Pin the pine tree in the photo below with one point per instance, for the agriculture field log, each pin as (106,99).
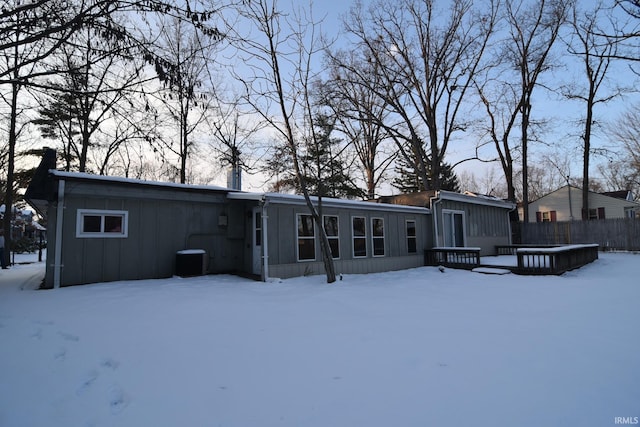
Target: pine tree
(409,181)
(324,171)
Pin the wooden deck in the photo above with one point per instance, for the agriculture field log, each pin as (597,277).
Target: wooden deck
(539,260)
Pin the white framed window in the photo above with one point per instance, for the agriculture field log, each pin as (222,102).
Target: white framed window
(331,228)
(306,238)
(102,223)
(359,236)
(412,237)
(377,236)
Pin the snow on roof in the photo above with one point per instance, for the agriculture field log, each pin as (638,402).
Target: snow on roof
(478,199)
(119,179)
(296,199)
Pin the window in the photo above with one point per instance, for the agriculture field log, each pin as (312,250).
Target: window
(377,225)
(412,244)
(306,238)
(359,234)
(257,228)
(596,213)
(100,223)
(331,228)
(546,216)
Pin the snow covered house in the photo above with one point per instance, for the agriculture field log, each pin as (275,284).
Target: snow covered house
(110,228)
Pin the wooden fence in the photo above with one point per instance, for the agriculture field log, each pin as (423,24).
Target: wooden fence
(609,234)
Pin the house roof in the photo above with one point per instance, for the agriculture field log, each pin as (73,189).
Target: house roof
(117,179)
(624,195)
(296,199)
(424,198)
(620,194)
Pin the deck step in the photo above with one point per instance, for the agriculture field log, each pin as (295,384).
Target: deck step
(491,270)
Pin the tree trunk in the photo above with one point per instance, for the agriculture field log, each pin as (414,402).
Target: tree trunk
(586,154)
(8,199)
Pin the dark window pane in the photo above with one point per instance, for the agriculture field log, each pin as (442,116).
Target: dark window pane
(306,249)
(411,228)
(411,244)
(335,248)
(378,227)
(305,226)
(331,225)
(359,227)
(378,246)
(91,224)
(359,247)
(112,224)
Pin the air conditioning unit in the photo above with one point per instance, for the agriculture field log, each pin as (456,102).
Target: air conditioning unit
(191,262)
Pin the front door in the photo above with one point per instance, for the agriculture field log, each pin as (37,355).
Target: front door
(453,228)
(257,241)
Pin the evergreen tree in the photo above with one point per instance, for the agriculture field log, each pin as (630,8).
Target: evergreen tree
(324,171)
(408,179)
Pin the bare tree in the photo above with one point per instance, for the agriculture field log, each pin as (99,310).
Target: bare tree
(426,60)
(93,86)
(15,66)
(507,90)
(359,113)
(232,133)
(279,89)
(185,99)
(626,130)
(595,52)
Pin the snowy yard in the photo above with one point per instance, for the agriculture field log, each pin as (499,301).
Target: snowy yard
(410,348)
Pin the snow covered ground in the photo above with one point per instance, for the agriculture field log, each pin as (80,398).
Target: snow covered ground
(411,348)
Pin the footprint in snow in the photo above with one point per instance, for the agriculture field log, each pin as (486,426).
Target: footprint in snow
(110,363)
(68,337)
(118,400)
(89,380)
(60,355)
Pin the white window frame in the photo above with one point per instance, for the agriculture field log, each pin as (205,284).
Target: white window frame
(354,237)
(312,238)
(102,213)
(337,236)
(453,212)
(414,237)
(374,238)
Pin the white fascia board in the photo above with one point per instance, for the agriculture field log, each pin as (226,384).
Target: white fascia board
(119,179)
(298,200)
(477,200)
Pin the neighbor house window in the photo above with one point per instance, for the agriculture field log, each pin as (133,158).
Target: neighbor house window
(333,235)
(596,213)
(412,244)
(546,216)
(102,223)
(306,238)
(377,227)
(359,234)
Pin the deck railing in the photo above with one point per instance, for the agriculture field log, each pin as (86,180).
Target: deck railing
(555,260)
(454,257)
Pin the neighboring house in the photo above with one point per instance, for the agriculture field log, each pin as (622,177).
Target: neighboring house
(109,228)
(565,204)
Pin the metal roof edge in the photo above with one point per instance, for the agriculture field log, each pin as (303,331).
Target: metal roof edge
(298,200)
(478,200)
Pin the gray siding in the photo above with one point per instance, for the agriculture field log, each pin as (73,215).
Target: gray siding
(282,242)
(160,223)
(485,226)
